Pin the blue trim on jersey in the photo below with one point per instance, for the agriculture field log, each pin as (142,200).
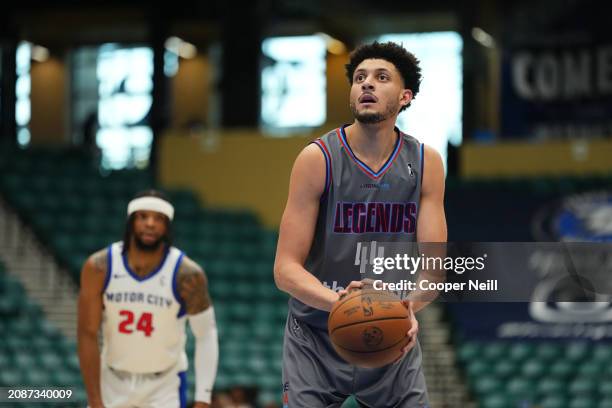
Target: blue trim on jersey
(183,310)
(422,161)
(183,389)
(109,267)
(364,166)
(150,275)
(327,167)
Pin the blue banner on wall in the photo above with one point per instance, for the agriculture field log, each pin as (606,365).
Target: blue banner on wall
(557,87)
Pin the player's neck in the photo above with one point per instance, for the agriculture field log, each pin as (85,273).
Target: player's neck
(372,143)
(144,262)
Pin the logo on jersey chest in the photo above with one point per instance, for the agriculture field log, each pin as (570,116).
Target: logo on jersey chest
(364,217)
(375,186)
(139,297)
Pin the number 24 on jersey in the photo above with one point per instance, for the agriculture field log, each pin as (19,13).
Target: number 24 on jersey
(144,324)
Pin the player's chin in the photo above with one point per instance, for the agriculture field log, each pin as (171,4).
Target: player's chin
(149,238)
(149,242)
(367,109)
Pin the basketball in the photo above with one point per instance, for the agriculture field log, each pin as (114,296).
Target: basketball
(368,327)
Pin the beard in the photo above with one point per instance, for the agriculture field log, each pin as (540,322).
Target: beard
(371,118)
(152,247)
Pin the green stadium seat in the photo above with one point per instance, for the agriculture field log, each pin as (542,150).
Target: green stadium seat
(602,352)
(25,328)
(582,402)
(577,351)
(80,396)
(221,290)
(249,233)
(469,350)
(31,310)
(6,361)
(551,387)
(264,330)
(16,344)
(45,224)
(65,378)
(265,291)
(242,290)
(26,201)
(605,387)
(48,329)
(11,376)
(494,351)
(521,351)
(255,363)
(223,380)
(36,377)
(67,185)
(11,286)
(520,388)
(505,369)
(10,305)
(478,368)
(243,379)
(533,369)
(583,386)
(71,361)
(51,203)
(590,368)
(235,331)
(12,183)
(261,270)
(561,369)
(42,344)
(25,360)
(50,360)
(553,401)
(498,400)
(487,385)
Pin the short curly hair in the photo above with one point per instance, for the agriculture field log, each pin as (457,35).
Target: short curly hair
(405,62)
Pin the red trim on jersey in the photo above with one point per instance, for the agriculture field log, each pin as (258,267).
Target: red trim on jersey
(363,167)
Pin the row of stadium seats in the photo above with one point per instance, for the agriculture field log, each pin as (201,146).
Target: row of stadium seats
(542,374)
(75,211)
(32,351)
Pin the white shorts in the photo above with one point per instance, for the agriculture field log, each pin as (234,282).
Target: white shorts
(121,389)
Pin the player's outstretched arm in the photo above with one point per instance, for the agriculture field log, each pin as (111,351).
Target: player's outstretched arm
(297,228)
(193,289)
(93,275)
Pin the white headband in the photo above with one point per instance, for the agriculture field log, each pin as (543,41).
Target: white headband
(151,204)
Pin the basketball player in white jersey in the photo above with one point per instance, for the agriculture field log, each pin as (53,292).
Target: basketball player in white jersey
(140,291)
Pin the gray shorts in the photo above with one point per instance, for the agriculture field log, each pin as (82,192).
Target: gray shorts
(314,376)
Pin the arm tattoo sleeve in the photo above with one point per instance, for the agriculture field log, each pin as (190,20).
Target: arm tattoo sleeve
(193,286)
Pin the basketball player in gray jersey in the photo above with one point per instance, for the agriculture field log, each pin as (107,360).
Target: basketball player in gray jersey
(360,184)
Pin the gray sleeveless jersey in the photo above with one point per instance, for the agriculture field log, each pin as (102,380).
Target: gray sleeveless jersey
(360,211)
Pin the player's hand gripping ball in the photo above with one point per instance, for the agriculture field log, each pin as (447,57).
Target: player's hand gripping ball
(369,328)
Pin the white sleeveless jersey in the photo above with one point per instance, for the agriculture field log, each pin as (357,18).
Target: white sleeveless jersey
(143,319)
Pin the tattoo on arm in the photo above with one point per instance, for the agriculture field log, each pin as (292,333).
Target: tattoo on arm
(100,260)
(193,286)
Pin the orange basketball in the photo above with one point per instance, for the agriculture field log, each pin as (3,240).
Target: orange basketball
(368,327)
